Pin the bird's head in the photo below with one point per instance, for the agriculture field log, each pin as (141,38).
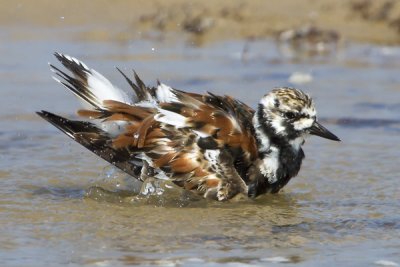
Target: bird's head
(289,114)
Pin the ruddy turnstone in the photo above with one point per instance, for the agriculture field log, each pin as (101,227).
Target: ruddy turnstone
(213,145)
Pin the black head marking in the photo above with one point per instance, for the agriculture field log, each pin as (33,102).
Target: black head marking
(276,103)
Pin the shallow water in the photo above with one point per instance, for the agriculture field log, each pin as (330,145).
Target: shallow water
(61,205)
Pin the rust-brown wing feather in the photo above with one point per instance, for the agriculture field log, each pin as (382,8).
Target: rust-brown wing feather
(203,143)
(223,124)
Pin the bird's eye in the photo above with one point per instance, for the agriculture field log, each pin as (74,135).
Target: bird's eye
(290,115)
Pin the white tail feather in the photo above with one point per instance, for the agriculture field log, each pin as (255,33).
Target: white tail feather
(98,87)
(103,89)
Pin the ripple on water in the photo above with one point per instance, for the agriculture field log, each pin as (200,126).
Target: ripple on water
(60,203)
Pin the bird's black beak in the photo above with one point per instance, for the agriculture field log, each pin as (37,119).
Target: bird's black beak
(318,129)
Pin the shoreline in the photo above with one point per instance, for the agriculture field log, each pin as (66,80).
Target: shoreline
(209,21)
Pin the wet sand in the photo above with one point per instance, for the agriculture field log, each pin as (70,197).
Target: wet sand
(205,21)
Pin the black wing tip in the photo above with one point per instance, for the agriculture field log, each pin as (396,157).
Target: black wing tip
(120,71)
(52,118)
(138,80)
(124,75)
(138,86)
(134,86)
(67,126)
(72,63)
(61,57)
(42,114)
(59,122)
(46,114)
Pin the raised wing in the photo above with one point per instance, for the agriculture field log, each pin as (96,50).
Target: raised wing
(201,142)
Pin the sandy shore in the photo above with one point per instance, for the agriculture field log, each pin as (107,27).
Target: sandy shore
(204,21)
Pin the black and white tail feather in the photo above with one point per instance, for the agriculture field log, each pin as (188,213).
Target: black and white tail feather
(93,89)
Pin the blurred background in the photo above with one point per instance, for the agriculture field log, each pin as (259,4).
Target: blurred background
(61,205)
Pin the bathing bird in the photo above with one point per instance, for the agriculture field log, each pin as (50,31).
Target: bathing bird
(213,145)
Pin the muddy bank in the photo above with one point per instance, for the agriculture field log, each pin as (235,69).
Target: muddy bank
(204,21)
